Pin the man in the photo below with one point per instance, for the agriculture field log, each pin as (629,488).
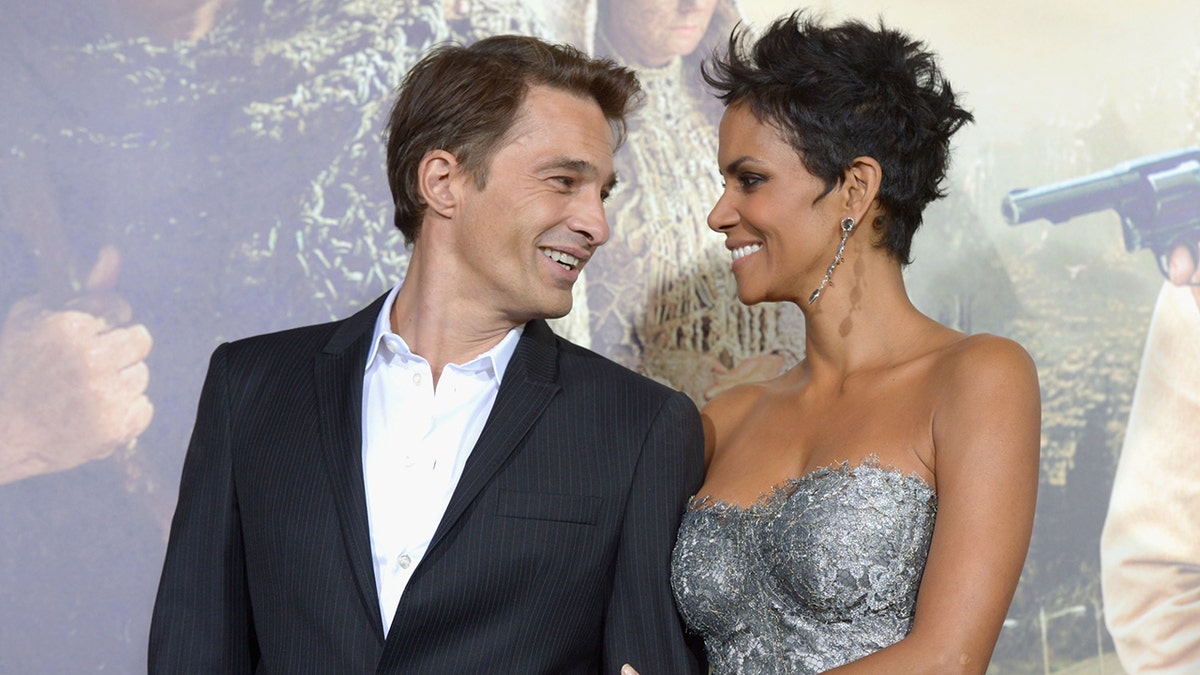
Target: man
(1150,546)
(438,484)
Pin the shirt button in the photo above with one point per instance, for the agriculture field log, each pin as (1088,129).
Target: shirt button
(407,461)
(404,561)
(417,379)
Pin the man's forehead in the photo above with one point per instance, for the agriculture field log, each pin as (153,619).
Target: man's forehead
(568,131)
(551,106)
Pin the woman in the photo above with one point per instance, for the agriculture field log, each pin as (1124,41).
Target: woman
(869,510)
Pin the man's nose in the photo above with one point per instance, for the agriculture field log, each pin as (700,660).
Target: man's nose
(591,222)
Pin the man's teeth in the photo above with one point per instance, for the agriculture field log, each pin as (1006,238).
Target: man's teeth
(565,259)
(743,251)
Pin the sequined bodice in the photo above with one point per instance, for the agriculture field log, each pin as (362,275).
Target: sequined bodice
(819,573)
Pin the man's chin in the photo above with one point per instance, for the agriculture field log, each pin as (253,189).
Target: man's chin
(551,310)
(558,313)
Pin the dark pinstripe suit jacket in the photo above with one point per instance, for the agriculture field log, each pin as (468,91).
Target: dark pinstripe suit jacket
(552,557)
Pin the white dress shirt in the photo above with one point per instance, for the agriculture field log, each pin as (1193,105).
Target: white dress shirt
(415,443)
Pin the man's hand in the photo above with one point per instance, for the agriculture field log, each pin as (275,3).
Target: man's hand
(72,379)
(1182,268)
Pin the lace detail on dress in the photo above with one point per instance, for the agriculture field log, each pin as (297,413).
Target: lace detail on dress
(820,571)
(784,490)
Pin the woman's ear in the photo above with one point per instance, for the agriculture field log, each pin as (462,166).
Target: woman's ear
(437,177)
(862,186)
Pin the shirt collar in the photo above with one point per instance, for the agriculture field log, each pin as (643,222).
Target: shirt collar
(497,358)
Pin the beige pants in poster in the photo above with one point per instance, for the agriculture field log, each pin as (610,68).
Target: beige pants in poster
(1150,549)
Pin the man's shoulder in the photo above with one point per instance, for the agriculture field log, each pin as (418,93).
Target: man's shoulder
(291,343)
(582,364)
(296,336)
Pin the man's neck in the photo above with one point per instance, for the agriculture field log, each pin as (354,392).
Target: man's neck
(431,318)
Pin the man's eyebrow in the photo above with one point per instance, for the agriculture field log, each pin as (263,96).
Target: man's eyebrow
(570,164)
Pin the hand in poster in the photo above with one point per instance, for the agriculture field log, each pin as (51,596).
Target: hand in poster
(1182,268)
(72,379)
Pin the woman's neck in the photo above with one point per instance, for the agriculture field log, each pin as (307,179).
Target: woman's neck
(865,319)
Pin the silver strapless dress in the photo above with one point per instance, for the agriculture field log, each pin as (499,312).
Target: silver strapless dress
(819,573)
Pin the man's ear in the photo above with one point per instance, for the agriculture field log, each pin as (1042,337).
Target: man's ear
(438,176)
(861,186)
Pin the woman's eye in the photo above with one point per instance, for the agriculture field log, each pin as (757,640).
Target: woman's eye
(749,180)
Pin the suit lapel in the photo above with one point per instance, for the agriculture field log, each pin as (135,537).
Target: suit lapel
(530,382)
(339,372)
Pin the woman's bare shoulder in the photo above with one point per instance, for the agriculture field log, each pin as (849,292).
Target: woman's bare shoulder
(985,379)
(984,358)
(730,407)
(730,410)
(734,402)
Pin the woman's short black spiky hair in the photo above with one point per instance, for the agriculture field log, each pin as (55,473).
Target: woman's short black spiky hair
(846,91)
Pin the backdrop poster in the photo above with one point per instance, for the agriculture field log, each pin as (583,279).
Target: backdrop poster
(175,175)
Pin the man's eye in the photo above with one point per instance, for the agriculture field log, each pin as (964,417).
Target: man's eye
(565,181)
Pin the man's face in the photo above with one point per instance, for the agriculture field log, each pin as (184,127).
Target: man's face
(521,241)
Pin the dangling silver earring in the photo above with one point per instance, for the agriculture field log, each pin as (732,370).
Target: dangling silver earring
(847,226)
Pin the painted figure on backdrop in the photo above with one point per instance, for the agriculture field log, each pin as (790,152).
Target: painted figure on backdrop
(439,484)
(138,141)
(81,413)
(870,509)
(661,299)
(1150,548)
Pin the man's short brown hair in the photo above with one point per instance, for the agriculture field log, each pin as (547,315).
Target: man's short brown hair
(464,100)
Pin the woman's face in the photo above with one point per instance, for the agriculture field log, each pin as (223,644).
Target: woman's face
(652,32)
(780,232)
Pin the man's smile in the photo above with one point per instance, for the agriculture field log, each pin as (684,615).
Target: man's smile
(567,260)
